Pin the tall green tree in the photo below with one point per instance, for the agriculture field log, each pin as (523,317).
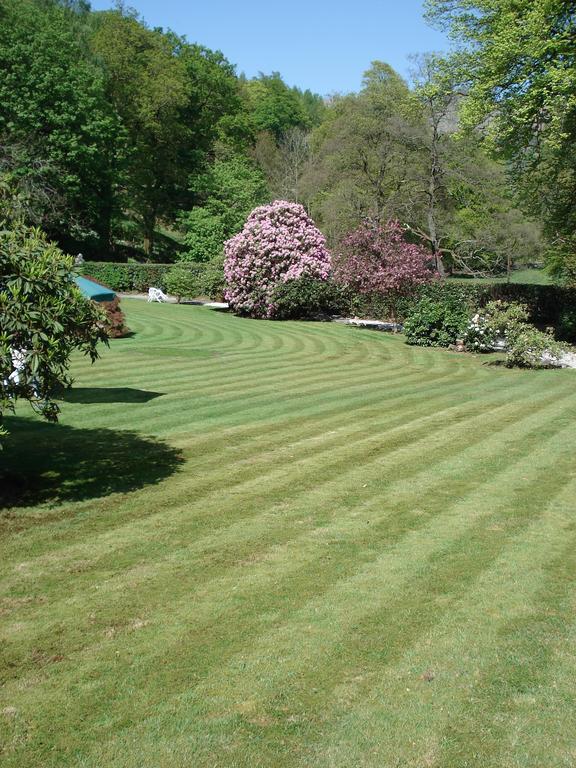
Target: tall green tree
(60,138)
(362,154)
(517,62)
(171,96)
(229,190)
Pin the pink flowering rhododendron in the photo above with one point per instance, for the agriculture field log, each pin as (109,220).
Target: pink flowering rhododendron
(279,242)
(377,259)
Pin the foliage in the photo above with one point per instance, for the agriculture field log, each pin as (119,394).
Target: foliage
(566,328)
(376,258)
(60,139)
(561,261)
(211,279)
(279,242)
(309,297)
(433,323)
(127,277)
(229,190)
(274,107)
(182,281)
(171,97)
(525,345)
(44,318)
(493,323)
(115,319)
(516,63)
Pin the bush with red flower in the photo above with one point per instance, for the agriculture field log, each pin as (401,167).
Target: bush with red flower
(278,243)
(377,259)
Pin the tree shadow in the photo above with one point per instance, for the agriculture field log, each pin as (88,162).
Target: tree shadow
(44,462)
(107,395)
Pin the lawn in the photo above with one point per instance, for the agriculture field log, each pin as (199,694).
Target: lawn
(255,544)
(524,276)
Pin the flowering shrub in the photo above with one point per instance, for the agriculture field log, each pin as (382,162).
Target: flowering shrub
(479,336)
(526,346)
(279,242)
(377,259)
(496,321)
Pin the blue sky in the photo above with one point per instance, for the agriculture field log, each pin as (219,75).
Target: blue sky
(316,44)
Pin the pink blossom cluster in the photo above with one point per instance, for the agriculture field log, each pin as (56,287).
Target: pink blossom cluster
(376,258)
(279,242)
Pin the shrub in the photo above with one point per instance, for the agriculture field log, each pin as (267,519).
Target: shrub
(211,279)
(116,322)
(279,242)
(308,298)
(436,323)
(495,321)
(526,346)
(44,317)
(182,281)
(377,259)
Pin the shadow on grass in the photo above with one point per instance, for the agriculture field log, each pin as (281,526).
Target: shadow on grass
(56,463)
(108,395)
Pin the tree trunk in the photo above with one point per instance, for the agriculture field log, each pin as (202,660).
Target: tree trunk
(431,213)
(149,226)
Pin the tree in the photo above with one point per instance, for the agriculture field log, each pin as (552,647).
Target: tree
(60,139)
(171,96)
(273,106)
(44,318)
(362,155)
(376,258)
(230,189)
(279,242)
(517,63)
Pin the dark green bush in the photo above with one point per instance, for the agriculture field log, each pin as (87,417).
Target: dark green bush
(433,323)
(308,298)
(566,328)
(211,279)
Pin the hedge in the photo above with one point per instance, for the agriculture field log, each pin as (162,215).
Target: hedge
(139,277)
(126,277)
(547,304)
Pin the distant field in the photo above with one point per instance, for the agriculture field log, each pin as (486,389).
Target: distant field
(252,544)
(526,276)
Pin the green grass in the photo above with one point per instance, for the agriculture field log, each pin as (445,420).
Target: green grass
(257,544)
(524,276)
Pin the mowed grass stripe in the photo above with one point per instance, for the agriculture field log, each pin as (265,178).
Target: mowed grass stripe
(545,455)
(255,469)
(182,623)
(324,618)
(121,559)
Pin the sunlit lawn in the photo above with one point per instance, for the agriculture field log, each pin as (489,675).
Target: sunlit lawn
(290,544)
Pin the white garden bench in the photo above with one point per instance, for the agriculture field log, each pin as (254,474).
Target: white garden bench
(155,294)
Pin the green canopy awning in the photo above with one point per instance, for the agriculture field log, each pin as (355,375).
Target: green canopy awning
(93,291)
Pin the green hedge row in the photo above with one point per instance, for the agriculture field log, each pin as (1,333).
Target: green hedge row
(208,276)
(547,304)
(127,277)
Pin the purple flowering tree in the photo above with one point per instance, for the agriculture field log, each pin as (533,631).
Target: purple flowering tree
(376,259)
(279,242)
